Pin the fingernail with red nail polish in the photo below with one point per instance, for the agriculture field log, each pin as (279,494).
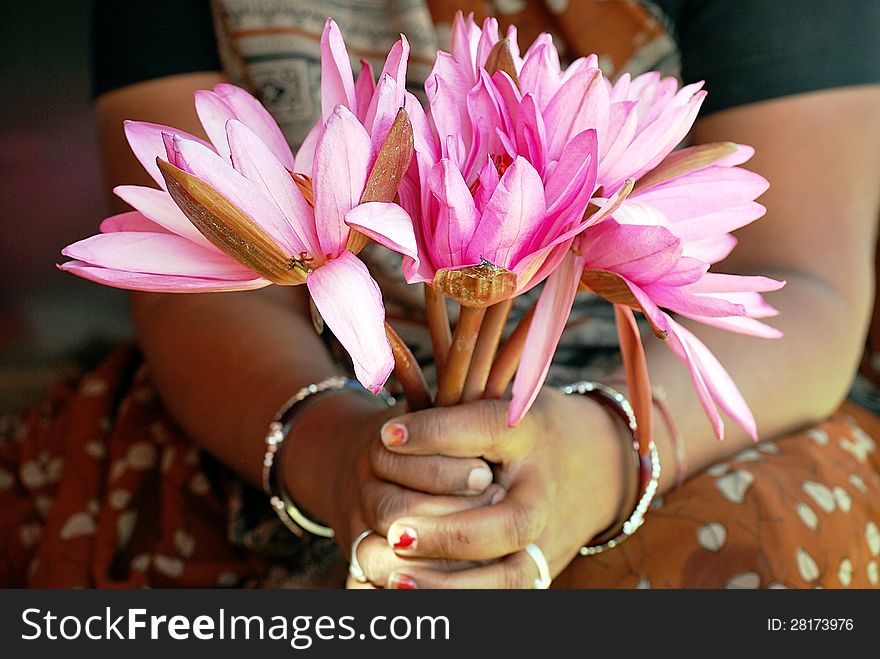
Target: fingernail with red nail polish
(394,434)
(401,582)
(402,537)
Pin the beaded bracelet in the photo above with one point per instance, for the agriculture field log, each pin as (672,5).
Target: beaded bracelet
(279,499)
(648,460)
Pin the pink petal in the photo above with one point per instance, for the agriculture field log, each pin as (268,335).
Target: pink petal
(531,137)
(704,191)
(657,316)
(639,253)
(456,217)
(508,94)
(622,123)
(620,89)
(249,111)
(653,143)
(156,253)
(172,152)
(488,180)
(714,282)
(396,61)
(305,156)
(487,117)
(738,324)
(677,299)
(718,381)
(488,39)
(712,249)
(214,112)
(339,173)
(350,303)
(686,271)
(743,153)
(572,182)
(580,104)
(337,80)
(364,88)
(535,267)
(387,100)
(387,224)
(540,72)
(145,140)
(655,97)
(257,163)
(130,221)
(158,206)
(140,281)
(754,303)
(444,95)
(424,139)
(635,213)
(548,323)
(685,353)
(608,207)
(384,104)
(465,37)
(591,61)
(713,223)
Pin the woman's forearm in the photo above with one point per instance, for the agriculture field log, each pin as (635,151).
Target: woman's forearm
(225,362)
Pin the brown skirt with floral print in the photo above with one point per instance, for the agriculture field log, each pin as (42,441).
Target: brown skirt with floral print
(99,488)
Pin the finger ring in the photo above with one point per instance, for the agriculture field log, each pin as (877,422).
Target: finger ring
(354,566)
(535,553)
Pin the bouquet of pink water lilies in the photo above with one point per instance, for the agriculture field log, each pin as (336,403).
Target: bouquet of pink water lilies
(518,172)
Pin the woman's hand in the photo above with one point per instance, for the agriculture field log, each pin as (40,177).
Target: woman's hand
(358,484)
(562,472)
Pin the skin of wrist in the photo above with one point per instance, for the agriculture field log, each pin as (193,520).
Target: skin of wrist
(613,455)
(604,469)
(322,450)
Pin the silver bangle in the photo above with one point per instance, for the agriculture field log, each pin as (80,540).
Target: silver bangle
(279,499)
(648,462)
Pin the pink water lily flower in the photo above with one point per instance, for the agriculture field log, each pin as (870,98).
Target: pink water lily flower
(374,105)
(230,216)
(505,168)
(494,180)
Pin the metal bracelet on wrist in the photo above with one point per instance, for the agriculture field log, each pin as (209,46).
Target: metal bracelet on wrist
(648,462)
(279,499)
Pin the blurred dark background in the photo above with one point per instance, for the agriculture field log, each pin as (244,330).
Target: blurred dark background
(51,194)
